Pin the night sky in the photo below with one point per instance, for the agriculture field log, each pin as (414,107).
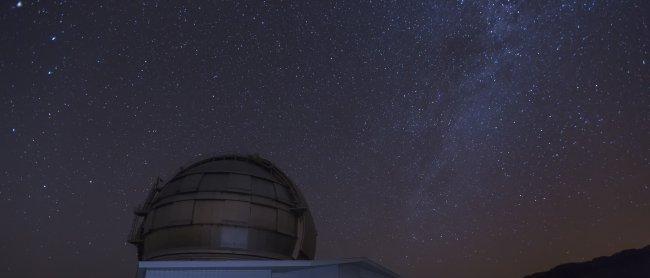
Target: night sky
(458,139)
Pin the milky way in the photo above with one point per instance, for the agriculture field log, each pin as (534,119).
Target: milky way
(458,139)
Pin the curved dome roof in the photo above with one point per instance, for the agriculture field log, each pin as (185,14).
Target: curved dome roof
(225,207)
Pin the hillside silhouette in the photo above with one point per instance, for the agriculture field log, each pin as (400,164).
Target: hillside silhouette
(631,263)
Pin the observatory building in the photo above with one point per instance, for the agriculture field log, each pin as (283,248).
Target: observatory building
(233,216)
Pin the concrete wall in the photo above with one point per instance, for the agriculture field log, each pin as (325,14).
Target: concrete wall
(263,269)
(171,273)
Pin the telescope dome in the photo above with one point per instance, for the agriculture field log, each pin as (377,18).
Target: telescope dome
(225,207)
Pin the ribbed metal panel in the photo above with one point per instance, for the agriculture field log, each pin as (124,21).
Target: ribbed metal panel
(226,207)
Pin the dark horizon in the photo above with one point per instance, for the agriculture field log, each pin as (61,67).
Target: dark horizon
(457,139)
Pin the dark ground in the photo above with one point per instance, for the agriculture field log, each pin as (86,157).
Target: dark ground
(631,263)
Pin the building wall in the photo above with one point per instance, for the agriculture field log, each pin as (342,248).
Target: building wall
(263,269)
(173,273)
(315,272)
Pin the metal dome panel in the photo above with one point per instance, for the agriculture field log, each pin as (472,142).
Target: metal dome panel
(226,207)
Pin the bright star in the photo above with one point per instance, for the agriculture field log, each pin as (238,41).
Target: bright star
(53,38)
(19,4)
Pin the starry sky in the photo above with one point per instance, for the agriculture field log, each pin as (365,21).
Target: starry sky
(448,138)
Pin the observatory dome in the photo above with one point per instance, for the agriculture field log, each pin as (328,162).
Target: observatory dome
(225,207)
